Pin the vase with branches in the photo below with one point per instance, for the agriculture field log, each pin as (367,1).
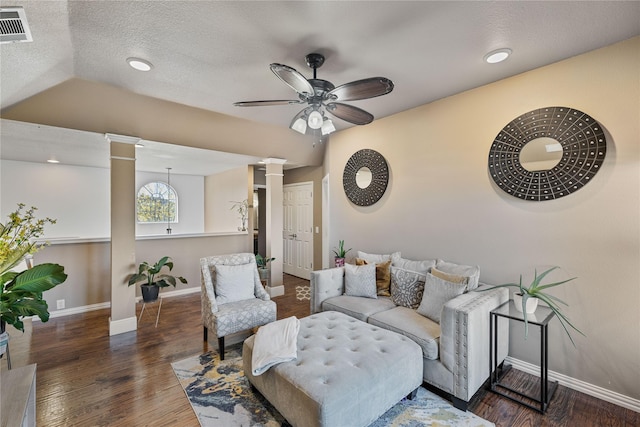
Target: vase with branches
(243,210)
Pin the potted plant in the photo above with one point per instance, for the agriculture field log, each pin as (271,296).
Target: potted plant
(22,291)
(263,267)
(152,279)
(243,210)
(340,254)
(526,300)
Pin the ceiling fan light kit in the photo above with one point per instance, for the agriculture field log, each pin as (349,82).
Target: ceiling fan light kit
(321,96)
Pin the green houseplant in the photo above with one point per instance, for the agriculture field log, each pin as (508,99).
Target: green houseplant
(537,290)
(263,264)
(340,254)
(151,278)
(22,291)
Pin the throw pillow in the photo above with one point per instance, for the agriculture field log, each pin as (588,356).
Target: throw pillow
(407,287)
(436,293)
(360,280)
(234,283)
(383,276)
(454,278)
(419,266)
(472,272)
(377,258)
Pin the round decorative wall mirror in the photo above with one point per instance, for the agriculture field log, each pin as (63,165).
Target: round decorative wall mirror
(547,153)
(365,177)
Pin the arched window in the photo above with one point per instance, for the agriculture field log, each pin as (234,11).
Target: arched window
(157,202)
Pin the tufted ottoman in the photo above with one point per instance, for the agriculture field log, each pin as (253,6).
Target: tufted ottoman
(347,373)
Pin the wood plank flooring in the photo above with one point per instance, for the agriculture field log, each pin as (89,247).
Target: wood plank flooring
(86,378)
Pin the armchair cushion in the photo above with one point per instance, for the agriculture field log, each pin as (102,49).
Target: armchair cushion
(241,315)
(234,283)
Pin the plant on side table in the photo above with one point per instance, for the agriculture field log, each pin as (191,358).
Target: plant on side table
(22,291)
(340,254)
(152,279)
(526,300)
(263,267)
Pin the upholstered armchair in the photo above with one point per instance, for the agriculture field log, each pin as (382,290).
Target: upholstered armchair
(233,299)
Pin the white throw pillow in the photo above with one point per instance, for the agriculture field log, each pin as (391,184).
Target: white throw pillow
(234,283)
(422,267)
(470,271)
(436,293)
(360,280)
(378,258)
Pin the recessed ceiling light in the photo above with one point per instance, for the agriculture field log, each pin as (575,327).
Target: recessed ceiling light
(498,55)
(140,64)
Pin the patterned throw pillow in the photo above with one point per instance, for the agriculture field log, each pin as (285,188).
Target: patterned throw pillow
(436,293)
(360,280)
(407,287)
(383,276)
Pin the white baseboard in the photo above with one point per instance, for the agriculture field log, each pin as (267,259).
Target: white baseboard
(275,291)
(123,325)
(578,385)
(76,310)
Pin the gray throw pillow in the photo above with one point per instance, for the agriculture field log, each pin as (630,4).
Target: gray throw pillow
(406,287)
(436,293)
(422,267)
(360,280)
(470,271)
(234,283)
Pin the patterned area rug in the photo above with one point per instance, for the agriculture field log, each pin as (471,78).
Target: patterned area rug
(221,395)
(303,293)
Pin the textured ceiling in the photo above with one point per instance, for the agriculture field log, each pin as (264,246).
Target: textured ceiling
(209,54)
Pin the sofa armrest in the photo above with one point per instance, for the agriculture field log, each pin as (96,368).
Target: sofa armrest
(464,339)
(325,284)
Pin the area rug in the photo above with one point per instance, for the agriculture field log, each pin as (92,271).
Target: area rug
(221,395)
(303,293)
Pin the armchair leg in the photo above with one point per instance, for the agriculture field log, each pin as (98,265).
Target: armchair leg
(221,347)
(206,333)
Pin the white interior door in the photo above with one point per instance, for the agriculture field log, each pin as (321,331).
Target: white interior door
(298,229)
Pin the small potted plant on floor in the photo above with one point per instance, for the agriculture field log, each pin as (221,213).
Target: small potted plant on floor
(340,254)
(263,267)
(526,299)
(21,292)
(152,279)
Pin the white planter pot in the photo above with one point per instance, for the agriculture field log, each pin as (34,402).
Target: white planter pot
(532,303)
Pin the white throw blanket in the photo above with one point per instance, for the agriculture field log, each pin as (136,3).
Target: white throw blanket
(275,343)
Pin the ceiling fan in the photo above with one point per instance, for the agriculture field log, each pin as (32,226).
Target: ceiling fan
(322,97)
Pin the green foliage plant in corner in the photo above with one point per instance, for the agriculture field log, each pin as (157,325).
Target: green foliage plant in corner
(152,276)
(22,291)
(262,261)
(537,290)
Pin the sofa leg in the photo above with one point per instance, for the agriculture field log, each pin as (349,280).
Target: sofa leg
(413,394)
(205,335)
(221,347)
(459,403)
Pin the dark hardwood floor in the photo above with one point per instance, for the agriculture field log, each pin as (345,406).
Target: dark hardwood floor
(86,378)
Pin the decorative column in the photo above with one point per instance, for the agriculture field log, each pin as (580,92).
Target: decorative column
(274,227)
(123,233)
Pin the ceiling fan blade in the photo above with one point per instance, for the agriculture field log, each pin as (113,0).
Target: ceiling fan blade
(267,103)
(292,78)
(350,113)
(362,89)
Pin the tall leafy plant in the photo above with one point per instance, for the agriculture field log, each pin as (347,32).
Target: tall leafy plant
(22,292)
(152,275)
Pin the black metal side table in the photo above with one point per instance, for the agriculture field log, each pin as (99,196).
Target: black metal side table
(540,318)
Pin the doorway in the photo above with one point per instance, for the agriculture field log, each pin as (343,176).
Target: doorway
(297,233)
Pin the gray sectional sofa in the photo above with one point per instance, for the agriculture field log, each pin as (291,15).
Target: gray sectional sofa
(451,329)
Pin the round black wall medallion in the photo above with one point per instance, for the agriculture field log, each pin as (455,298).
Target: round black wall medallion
(362,162)
(583,143)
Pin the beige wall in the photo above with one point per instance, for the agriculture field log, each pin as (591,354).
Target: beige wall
(220,191)
(441,202)
(314,175)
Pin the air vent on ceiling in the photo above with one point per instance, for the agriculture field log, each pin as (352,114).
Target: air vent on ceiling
(14,27)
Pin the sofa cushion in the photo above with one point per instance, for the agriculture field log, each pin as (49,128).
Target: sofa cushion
(472,272)
(406,287)
(378,258)
(422,267)
(360,280)
(383,276)
(436,293)
(357,307)
(454,278)
(409,323)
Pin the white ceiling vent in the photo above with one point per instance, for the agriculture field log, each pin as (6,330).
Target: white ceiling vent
(13,25)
